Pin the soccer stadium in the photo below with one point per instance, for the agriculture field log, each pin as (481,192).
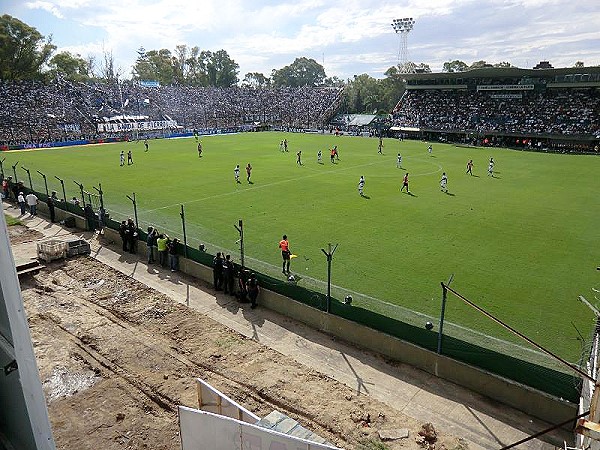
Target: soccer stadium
(454,234)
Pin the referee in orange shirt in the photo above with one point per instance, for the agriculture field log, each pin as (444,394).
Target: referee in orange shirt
(284,245)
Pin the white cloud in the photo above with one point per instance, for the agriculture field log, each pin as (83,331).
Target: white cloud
(355,36)
(45,6)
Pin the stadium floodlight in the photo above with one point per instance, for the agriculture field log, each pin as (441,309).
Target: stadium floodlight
(402,27)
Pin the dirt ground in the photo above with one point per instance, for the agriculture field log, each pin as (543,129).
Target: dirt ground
(116,358)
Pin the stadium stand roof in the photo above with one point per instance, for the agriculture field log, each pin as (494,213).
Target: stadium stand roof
(359,120)
(504,72)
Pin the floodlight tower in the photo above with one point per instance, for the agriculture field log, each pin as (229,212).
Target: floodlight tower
(402,27)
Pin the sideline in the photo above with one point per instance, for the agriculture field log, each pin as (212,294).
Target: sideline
(481,422)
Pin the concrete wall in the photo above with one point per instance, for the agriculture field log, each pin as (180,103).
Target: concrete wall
(61,215)
(521,397)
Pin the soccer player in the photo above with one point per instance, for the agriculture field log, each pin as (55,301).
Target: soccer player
(361,185)
(405,183)
(320,157)
(380,151)
(299,157)
(335,152)
(470,167)
(491,168)
(333,156)
(429,149)
(281,146)
(146,144)
(285,145)
(399,161)
(284,245)
(200,149)
(444,183)
(129,158)
(248,172)
(236,173)
(122,157)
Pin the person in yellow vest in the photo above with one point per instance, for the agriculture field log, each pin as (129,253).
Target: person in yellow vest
(163,249)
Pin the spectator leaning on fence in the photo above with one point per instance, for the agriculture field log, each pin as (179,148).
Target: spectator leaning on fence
(253,289)
(217,271)
(173,256)
(162,245)
(123,234)
(132,235)
(150,242)
(52,199)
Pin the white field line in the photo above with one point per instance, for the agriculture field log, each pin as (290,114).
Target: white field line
(320,282)
(409,311)
(276,183)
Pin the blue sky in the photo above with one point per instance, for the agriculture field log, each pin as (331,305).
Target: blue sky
(348,37)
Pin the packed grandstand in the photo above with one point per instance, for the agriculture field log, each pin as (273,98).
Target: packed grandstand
(549,108)
(37,113)
(505,106)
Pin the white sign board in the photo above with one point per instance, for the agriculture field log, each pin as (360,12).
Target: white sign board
(201,430)
(212,400)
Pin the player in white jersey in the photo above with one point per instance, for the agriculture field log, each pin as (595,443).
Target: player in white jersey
(320,157)
(444,183)
(429,149)
(236,173)
(361,185)
(399,161)
(122,156)
(491,168)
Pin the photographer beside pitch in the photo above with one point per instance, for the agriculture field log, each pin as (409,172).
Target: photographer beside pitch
(284,245)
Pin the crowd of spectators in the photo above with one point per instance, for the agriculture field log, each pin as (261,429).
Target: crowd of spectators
(553,111)
(34,112)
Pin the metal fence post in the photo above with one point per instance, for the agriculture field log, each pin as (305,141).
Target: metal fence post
(329,256)
(182,214)
(45,182)
(442,313)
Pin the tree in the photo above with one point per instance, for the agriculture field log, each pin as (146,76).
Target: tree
(23,50)
(71,67)
(196,73)
(579,64)
(221,69)
(302,72)
(334,81)
(90,61)
(392,86)
(156,65)
(180,64)
(412,67)
(363,94)
(504,64)
(108,70)
(455,66)
(190,67)
(479,65)
(422,68)
(255,80)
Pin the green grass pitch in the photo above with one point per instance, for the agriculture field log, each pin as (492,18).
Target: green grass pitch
(522,245)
